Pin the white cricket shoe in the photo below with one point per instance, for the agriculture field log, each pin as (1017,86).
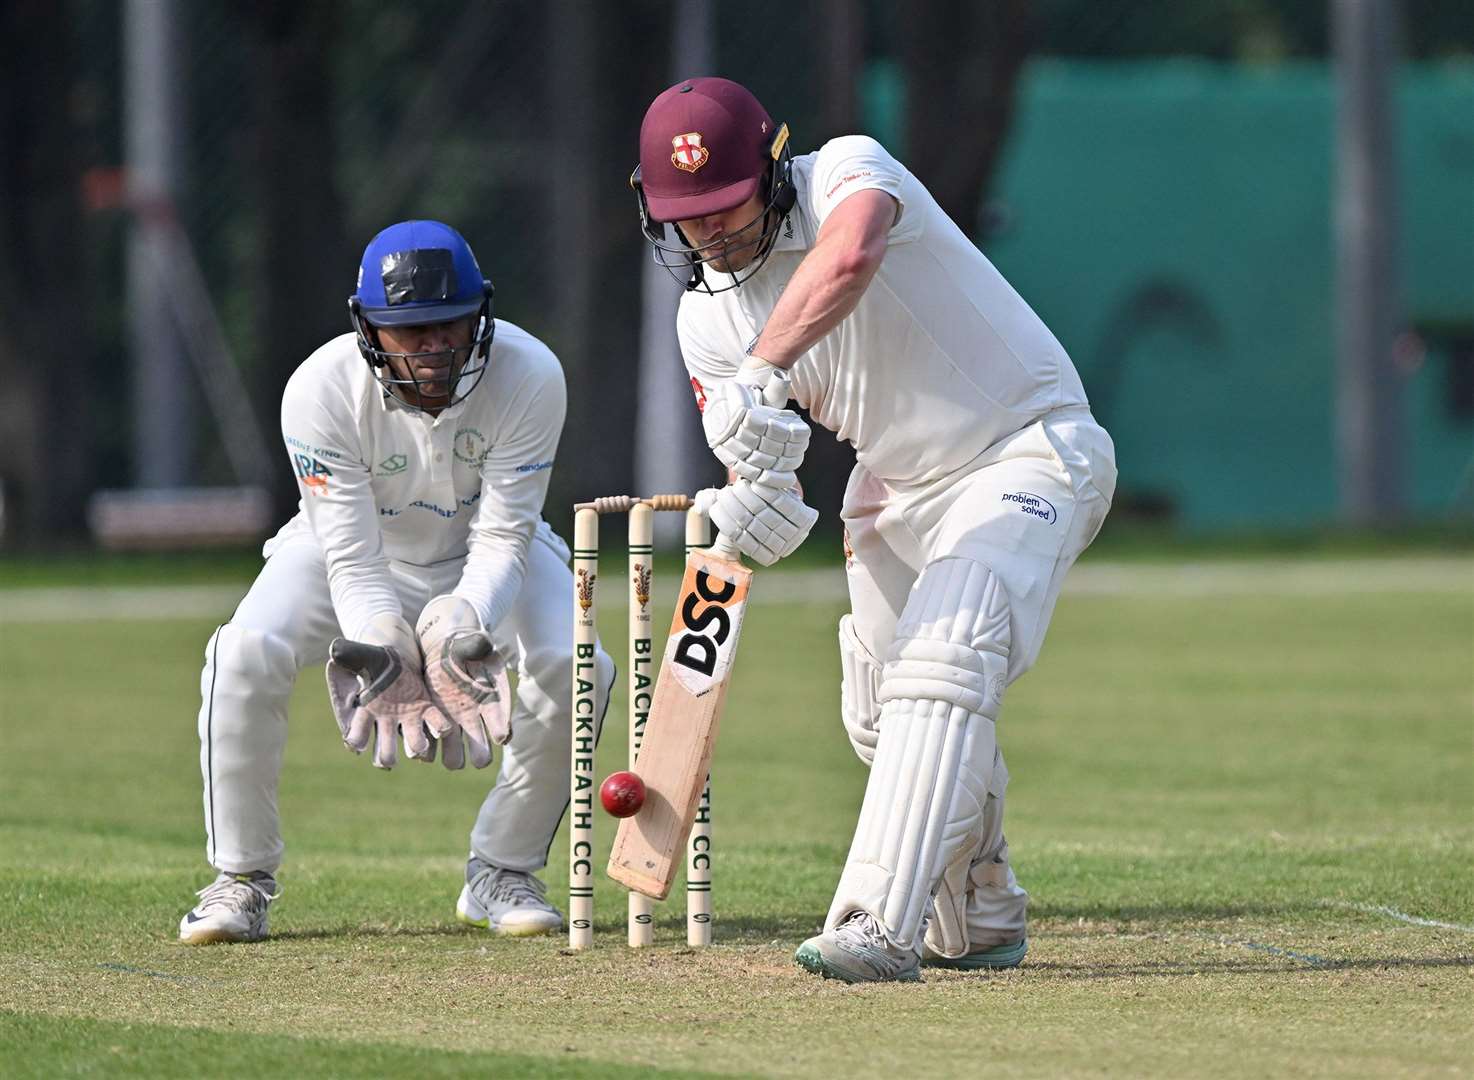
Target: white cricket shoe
(510,902)
(857,951)
(231,908)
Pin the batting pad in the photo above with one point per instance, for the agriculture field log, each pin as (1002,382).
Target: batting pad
(940,690)
(859,691)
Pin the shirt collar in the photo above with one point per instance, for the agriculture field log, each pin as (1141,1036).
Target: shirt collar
(790,237)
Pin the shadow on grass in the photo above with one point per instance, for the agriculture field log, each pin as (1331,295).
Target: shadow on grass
(1169,914)
(323,933)
(1173,970)
(763,931)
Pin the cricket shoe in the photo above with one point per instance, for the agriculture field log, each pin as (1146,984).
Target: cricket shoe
(992,958)
(857,951)
(510,902)
(231,908)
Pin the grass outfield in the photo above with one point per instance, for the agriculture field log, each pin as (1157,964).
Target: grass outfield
(1245,813)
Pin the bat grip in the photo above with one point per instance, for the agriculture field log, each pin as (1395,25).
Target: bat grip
(723,548)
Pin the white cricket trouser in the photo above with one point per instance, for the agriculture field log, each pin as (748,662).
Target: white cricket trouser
(285,624)
(1025,509)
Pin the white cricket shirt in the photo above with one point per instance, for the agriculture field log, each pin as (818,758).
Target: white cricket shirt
(940,360)
(381,481)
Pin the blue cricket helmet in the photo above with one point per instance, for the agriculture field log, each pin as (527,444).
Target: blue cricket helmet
(416,273)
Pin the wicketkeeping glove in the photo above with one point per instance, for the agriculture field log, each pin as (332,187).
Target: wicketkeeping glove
(750,429)
(466,679)
(377,693)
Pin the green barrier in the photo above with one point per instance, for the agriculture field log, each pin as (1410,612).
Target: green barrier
(1172,223)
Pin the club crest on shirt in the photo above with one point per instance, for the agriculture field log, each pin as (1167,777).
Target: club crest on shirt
(392,465)
(470,446)
(700,392)
(689,154)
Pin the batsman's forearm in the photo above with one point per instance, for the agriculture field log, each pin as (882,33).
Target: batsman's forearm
(817,300)
(829,282)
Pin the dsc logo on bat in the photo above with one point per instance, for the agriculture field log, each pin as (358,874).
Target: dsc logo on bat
(710,615)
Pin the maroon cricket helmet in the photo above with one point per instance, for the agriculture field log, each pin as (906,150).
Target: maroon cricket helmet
(704,147)
(707,146)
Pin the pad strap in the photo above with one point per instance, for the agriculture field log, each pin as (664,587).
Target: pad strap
(859,691)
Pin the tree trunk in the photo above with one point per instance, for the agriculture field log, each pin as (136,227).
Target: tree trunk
(962,63)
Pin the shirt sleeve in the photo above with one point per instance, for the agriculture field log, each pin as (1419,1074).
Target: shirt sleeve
(325,444)
(854,163)
(705,366)
(514,483)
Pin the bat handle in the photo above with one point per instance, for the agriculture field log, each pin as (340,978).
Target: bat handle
(723,548)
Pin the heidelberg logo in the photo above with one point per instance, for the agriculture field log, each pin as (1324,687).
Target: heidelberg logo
(689,154)
(1033,505)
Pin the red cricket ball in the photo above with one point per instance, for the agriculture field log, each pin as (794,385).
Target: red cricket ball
(622,793)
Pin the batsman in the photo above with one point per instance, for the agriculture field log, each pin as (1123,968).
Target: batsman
(835,280)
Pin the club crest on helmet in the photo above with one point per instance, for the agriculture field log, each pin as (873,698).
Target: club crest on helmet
(729,151)
(689,154)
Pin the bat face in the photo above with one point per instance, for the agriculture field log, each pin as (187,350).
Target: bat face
(704,634)
(675,754)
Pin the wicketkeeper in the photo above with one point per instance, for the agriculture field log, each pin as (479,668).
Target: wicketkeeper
(835,279)
(418,567)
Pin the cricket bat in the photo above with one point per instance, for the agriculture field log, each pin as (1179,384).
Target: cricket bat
(675,756)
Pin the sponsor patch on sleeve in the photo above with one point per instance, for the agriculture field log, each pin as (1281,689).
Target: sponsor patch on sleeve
(313,473)
(847,178)
(700,392)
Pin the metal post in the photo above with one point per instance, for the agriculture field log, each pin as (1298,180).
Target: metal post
(163,442)
(670,451)
(1369,428)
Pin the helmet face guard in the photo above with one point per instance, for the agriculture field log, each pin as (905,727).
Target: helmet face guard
(421,273)
(687,263)
(467,365)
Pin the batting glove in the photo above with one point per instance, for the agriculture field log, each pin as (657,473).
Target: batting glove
(750,429)
(764,523)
